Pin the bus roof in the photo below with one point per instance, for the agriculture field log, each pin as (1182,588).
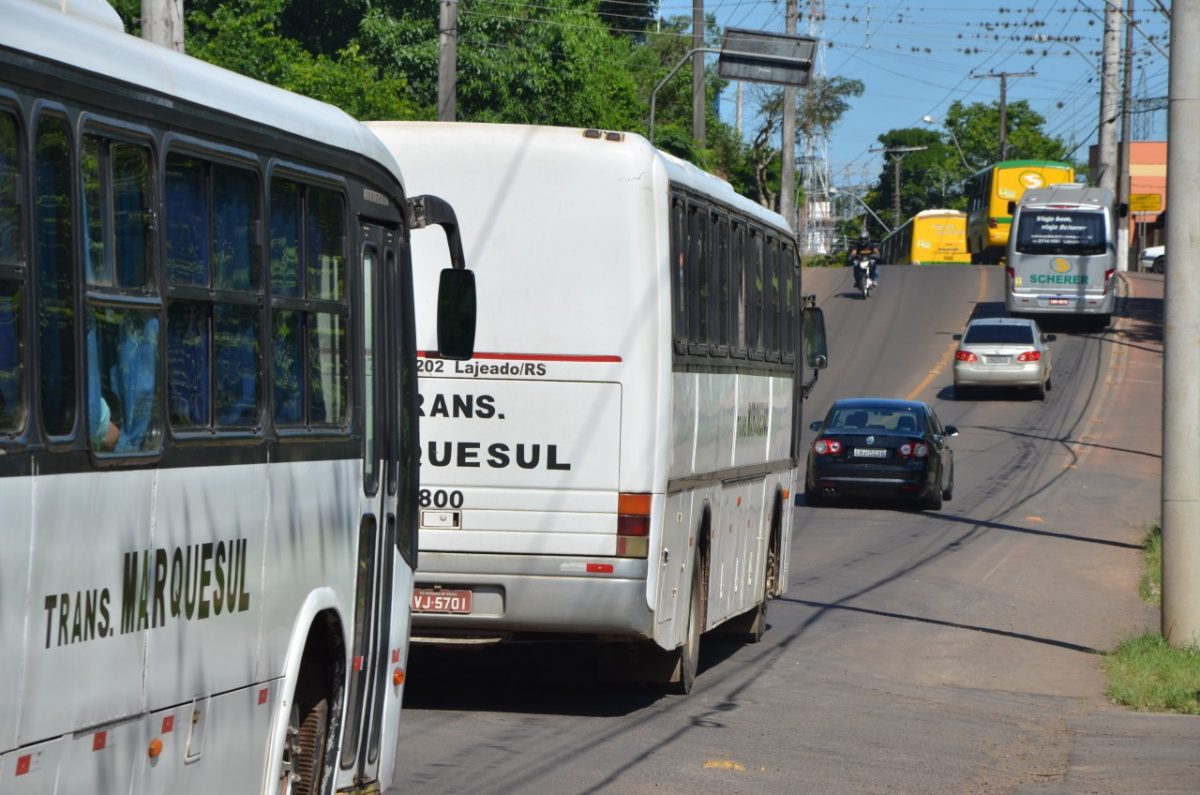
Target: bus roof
(472,136)
(87,34)
(1023,164)
(940,213)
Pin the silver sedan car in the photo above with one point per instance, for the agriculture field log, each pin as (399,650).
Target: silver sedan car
(1003,352)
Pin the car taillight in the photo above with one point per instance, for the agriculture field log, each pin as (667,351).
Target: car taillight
(633,525)
(1030,356)
(913,450)
(827,447)
(966,356)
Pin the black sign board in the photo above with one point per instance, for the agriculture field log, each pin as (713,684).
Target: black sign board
(781,58)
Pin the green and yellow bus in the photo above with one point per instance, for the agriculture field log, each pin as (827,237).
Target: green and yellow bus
(989,192)
(928,238)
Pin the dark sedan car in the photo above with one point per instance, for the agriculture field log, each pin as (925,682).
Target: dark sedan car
(879,447)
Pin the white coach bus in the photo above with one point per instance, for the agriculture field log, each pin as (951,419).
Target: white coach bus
(618,459)
(209,522)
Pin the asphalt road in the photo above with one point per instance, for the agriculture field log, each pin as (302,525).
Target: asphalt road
(915,652)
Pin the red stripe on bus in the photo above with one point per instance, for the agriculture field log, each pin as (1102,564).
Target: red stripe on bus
(529,357)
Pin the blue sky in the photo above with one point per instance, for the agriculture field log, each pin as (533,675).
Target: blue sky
(916,58)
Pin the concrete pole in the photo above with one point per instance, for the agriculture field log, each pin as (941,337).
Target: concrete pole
(162,23)
(1123,145)
(787,167)
(1003,116)
(1181,340)
(447,101)
(698,92)
(1106,176)
(896,219)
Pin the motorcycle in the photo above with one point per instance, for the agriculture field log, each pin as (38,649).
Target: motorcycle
(862,275)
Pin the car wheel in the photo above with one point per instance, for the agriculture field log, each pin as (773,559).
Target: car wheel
(1039,392)
(1049,384)
(934,501)
(1160,265)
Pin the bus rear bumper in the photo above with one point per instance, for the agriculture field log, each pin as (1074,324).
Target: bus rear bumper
(1051,303)
(542,594)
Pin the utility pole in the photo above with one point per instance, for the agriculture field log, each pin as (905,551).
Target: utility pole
(1107,176)
(737,113)
(447,61)
(1181,354)
(787,167)
(897,153)
(1003,76)
(1123,150)
(162,23)
(698,92)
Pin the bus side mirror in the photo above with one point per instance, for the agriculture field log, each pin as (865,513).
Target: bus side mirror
(1123,210)
(816,353)
(1012,207)
(456,314)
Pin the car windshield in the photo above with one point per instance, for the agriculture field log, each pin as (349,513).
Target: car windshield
(874,418)
(989,333)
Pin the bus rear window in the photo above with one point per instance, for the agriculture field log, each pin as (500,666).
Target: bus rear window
(1061,232)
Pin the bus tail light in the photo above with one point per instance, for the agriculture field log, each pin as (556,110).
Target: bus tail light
(1012,274)
(633,525)
(992,223)
(1108,274)
(1030,356)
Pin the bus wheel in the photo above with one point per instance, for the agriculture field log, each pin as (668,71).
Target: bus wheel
(304,751)
(688,655)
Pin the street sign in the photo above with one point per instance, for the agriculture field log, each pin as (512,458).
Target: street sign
(752,55)
(1145,202)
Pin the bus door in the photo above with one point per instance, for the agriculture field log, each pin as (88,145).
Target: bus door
(379,621)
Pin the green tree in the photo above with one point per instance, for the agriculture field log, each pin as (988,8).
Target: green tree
(934,177)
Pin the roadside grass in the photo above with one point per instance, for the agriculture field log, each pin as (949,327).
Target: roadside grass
(1145,672)
(1151,585)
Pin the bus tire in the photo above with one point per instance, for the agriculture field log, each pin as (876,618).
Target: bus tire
(687,656)
(304,751)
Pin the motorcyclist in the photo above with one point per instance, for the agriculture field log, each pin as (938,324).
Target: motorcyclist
(865,247)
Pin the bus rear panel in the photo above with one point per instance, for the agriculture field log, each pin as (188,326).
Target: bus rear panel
(1062,253)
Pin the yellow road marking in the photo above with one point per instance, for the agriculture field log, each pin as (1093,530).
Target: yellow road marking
(948,354)
(724,764)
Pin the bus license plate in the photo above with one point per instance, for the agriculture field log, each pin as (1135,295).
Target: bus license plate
(430,600)
(869,452)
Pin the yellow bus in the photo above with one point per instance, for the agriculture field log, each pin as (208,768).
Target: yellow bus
(989,192)
(929,237)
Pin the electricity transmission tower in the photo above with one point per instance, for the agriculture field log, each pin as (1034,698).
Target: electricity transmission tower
(816,217)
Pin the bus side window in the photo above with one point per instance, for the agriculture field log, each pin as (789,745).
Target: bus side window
(754,293)
(311,372)
(122,341)
(55,269)
(679,246)
(214,357)
(771,300)
(12,265)
(737,281)
(698,281)
(719,305)
(789,325)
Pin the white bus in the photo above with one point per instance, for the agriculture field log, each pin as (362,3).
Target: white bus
(1062,256)
(205,299)
(619,458)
